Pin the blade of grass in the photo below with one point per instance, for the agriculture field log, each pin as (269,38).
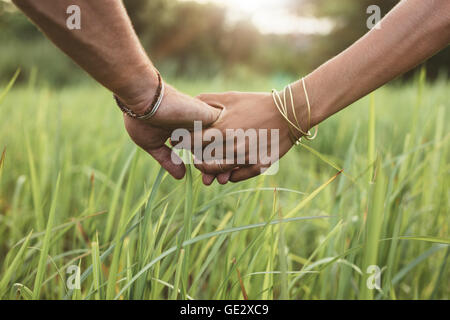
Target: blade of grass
(371,135)
(96,267)
(2,161)
(46,244)
(404,271)
(9,85)
(35,188)
(282,255)
(24,291)
(168,285)
(311,196)
(6,276)
(114,268)
(116,196)
(441,274)
(187,225)
(373,229)
(145,246)
(178,275)
(241,282)
(322,244)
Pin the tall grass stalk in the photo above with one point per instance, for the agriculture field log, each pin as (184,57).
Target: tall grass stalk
(373,224)
(43,256)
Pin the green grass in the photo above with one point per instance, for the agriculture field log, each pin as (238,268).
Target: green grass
(372,189)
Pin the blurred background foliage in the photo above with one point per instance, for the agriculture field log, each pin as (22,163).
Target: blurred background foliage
(196,40)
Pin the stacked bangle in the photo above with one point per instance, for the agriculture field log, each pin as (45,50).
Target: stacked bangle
(282,106)
(151,110)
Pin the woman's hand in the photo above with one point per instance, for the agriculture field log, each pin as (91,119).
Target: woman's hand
(253,113)
(177,110)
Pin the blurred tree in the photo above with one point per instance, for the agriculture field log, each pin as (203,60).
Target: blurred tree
(14,25)
(180,35)
(350,19)
(193,38)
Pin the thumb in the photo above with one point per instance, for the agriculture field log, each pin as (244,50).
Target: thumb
(210,112)
(217,101)
(179,110)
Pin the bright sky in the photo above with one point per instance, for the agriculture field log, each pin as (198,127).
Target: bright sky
(272,16)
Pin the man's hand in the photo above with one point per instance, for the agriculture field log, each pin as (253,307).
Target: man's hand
(176,111)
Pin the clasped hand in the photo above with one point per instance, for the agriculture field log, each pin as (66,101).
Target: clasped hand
(241,135)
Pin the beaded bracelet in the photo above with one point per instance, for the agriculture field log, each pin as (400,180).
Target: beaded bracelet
(151,110)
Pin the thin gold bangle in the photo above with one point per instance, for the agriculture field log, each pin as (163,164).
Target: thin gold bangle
(309,136)
(282,107)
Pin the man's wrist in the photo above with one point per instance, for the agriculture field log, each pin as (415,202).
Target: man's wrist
(139,90)
(150,110)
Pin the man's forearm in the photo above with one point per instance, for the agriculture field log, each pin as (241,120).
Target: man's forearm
(106,46)
(409,34)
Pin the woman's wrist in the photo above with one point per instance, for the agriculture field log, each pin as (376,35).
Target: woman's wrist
(302,114)
(325,98)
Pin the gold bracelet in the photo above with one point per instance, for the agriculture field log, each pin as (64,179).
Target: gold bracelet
(309,136)
(281,105)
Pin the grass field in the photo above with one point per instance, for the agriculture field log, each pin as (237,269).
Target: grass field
(75,193)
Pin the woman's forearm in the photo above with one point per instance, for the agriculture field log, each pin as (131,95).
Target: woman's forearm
(106,46)
(412,32)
